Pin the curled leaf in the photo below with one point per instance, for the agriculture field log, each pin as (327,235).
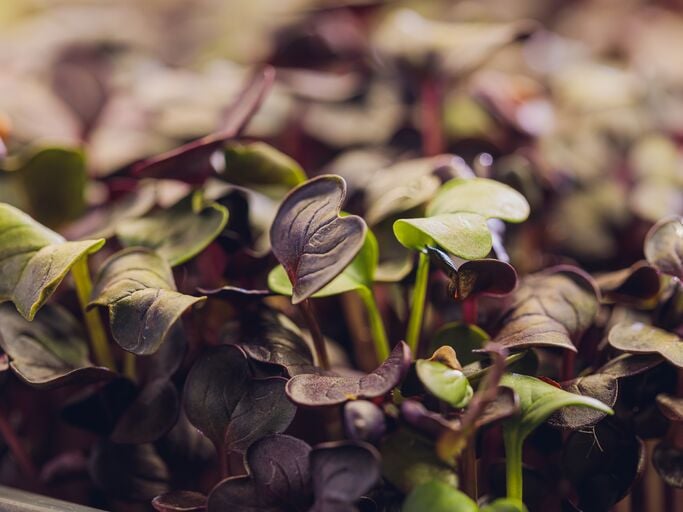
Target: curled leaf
(178,233)
(637,283)
(137,287)
(550,309)
(34,260)
(180,501)
(50,351)
(639,338)
(664,246)
(309,238)
(313,390)
(671,407)
(601,386)
(442,375)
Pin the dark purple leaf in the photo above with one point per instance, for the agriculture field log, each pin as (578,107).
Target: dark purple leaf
(671,407)
(309,238)
(228,405)
(668,461)
(192,162)
(602,386)
(342,472)
(320,390)
(129,472)
(550,309)
(634,284)
(628,365)
(153,413)
(471,278)
(363,421)
(180,501)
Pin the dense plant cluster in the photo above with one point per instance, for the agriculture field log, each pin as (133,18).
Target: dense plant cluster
(395,273)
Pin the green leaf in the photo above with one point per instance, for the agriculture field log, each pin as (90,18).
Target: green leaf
(538,400)
(358,275)
(639,338)
(311,240)
(436,496)
(178,233)
(664,246)
(261,167)
(464,234)
(456,217)
(137,286)
(49,351)
(442,375)
(53,181)
(34,260)
(488,198)
(504,505)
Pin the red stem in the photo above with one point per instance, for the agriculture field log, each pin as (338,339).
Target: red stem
(17,449)
(430,116)
(470,310)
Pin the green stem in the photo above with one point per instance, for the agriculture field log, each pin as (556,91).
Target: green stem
(129,369)
(513,463)
(379,334)
(418,303)
(98,336)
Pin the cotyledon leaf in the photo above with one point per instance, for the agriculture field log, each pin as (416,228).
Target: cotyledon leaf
(309,238)
(34,260)
(639,338)
(137,286)
(178,233)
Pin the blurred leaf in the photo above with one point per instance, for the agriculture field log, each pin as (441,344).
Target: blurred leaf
(180,501)
(437,496)
(639,338)
(664,246)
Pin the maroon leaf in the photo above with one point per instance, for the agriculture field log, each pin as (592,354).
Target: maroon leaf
(637,283)
(180,501)
(313,390)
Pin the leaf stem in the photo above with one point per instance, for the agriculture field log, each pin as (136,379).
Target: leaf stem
(468,469)
(17,449)
(513,463)
(418,304)
(379,334)
(129,367)
(470,310)
(318,340)
(98,336)
(430,116)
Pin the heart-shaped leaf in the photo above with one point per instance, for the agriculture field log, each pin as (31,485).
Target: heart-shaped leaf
(310,240)
(664,246)
(550,309)
(437,496)
(129,471)
(314,390)
(261,167)
(363,421)
(278,479)
(639,338)
(341,473)
(192,161)
(601,386)
(34,260)
(357,276)
(634,284)
(50,351)
(137,286)
(228,405)
(180,501)
(456,217)
(178,233)
(442,376)
(476,277)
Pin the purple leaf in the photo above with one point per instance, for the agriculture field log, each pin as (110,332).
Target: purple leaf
(320,390)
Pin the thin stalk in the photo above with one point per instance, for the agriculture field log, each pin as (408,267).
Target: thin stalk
(97,334)
(418,303)
(470,310)
(513,464)
(129,369)
(379,334)
(430,116)
(468,469)
(318,340)
(17,449)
